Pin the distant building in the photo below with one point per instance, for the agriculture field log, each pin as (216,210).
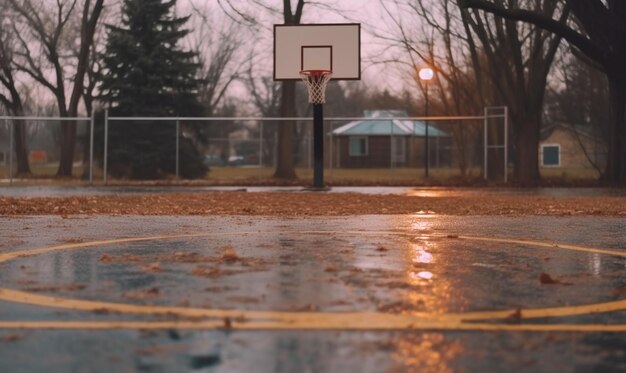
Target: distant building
(381,143)
(571,147)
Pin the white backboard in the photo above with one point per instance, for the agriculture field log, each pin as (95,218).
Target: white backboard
(334,46)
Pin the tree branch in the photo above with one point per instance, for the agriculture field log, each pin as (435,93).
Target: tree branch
(575,38)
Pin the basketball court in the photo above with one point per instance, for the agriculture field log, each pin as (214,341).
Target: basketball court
(272,294)
(410,292)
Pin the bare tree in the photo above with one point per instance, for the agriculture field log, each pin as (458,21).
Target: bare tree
(285,167)
(432,33)
(265,96)
(9,95)
(219,44)
(599,34)
(519,58)
(51,33)
(264,91)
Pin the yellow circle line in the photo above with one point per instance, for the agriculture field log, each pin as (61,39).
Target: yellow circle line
(591,250)
(305,320)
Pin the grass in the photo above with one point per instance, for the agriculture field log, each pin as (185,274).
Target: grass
(355,176)
(342,176)
(572,174)
(41,170)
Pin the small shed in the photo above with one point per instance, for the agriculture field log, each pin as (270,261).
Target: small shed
(570,147)
(382,141)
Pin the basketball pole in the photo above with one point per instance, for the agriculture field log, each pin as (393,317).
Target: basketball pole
(318,146)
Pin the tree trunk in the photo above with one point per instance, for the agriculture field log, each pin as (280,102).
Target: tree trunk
(527,149)
(68,143)
(89,22)
(616,165)
(285,165)
(21,150)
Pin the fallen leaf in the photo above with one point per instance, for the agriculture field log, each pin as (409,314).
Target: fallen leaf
(153,267)
(105,258)
(11,338)
(515,317)
(227,323)
(143,293)
(546,279)
(229,254)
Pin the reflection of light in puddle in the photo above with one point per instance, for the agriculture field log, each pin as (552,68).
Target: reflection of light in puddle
(436,291)
(426,214)
(595,262)
(430,193)
(430,352)
(423,275)
(421,225)
(421,255)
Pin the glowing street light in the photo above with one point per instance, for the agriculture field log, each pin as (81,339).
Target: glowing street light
(426,74)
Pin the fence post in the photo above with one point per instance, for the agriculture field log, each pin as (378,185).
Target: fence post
(177,146)
(390,151)
(485,145)
(260,149)
(10,150)
(437,146)
(506,143)
(106,143)
(91,127)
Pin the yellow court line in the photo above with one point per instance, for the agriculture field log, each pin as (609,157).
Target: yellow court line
(301,319)
(314,320)
(591,250)
(5,257)
(618,305)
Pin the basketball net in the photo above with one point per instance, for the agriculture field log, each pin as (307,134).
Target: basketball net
(315,81)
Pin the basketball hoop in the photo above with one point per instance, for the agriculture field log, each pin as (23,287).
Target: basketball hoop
(315,81)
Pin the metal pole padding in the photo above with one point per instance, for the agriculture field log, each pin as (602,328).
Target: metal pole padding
(506,143)
(486,144)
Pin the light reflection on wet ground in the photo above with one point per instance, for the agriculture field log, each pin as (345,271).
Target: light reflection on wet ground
(279,268)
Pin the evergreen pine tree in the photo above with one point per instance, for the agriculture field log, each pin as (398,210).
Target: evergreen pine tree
(148,74)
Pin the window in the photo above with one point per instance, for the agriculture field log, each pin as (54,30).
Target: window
(551,155)
(358,146)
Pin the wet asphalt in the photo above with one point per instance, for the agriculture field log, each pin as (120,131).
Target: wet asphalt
(388,264)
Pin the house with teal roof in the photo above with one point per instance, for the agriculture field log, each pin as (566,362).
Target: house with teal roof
(382,140)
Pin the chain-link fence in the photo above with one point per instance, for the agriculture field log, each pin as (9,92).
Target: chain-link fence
(364,150)
(374,149)
(31,147)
